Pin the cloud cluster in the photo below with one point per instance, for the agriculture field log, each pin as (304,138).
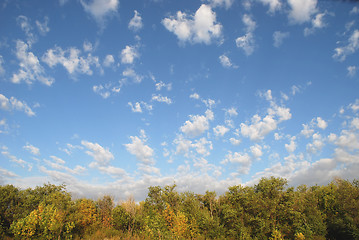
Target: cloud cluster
(197,125)
(201,27)
(15,104)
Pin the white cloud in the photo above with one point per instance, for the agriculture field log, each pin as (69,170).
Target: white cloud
(355,10)
(348,140)
(220,130)
(160,98)
(183,145)
(71,60)
(129,54)
(99,9)
(161,85)
(235,142)
(136,22)
(256,151)
(2,70)
(102,156)
(317,22)
(202,146)
(321,123)
(238,158)
(316,145)
(278,38)
(353,45)
(129,72)
(16,160)
(197,125)
(307,131)
(219,3)
(302,10)
(87,46)
(101,90)
(231,112)
(355,123)
(57,160)
(138,148)
(43,26)
(225,61)
(135,107)
(247,42)
(198,28)
(194,96)
(30,67)
(291,146)
(352,70)
(259,128)
(32,149)
(274,5)
(109,60)
(354,106)
(25,25)
(15,104)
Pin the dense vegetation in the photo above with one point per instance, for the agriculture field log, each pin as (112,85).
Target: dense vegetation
(268,210)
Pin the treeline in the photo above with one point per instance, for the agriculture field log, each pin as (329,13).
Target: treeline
(268,210)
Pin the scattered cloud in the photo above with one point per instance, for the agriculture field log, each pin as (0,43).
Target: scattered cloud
(136,22)
(352,70)
(30,69)
(221,3)
(25,26)
(274,5)
(197,125)
(109,60)
(32,149)
(15,104)
(247,42)
(301,10)
(129,54)
(18,161)
(101,155)
(71,60)
(201,27)
(341,53)
(129,72)
(278,38)
(256,151)
(137,147)
(321,123)
(194,96)
(100,9)
(137,107)
(292,146)
(220,130)
(43,26)
(235,142)
(244,160)
(226,62)
(160,98)
(317,23)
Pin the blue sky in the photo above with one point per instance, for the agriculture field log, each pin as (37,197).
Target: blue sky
(111,96)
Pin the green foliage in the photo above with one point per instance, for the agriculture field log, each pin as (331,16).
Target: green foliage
(268,210)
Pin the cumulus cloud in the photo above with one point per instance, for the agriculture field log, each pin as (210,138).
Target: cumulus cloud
(43,26)
(197,125)
(32,149)
(274,5)
(160,98)
(130,73)
(109,60)
(292,145)
(247,42)
(226,62)
(129,54)
(201,27)
(307,131)
(352,70)
(99,9)
(136,22)
(302,10)
(15,104)
(256,151)
(221,3)
(138,148)
(234,141)
(220,130)
(30,69)
(278,38)
(244,160)
(317,23)
(259,128)
(341,53)
(101,155)
(71,60)
(194,96)
(321,123)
